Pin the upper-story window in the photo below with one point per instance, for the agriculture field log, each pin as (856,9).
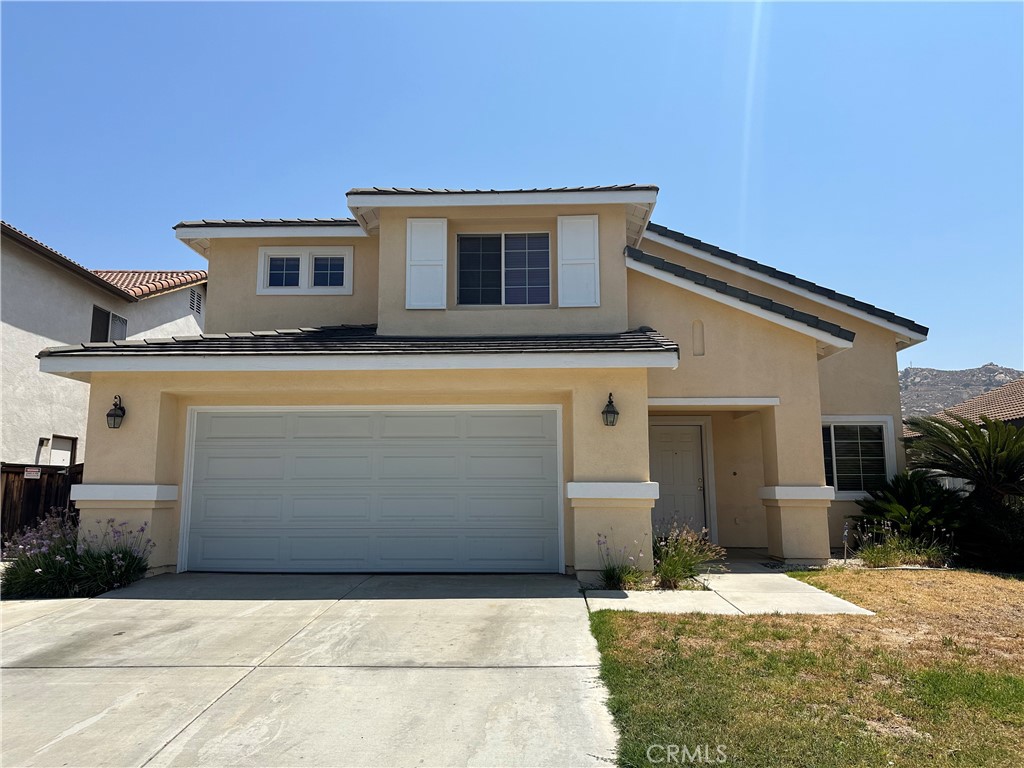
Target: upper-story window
(509,269)
(305,270)
(107,326)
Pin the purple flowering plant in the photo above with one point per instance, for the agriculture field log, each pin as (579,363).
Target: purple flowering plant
(621,565)
(52,559)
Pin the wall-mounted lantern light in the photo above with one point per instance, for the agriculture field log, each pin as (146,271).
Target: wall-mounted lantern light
(610,414)
(116,413)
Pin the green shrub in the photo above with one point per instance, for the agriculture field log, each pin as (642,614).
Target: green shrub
(914,504)
(620,566)
(51,560)
(679,555)
(989,457)
(898,550)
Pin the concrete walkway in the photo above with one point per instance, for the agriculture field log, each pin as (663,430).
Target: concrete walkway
(333,670)
(743,587)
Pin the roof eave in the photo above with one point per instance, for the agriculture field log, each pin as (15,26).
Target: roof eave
(71,365)
(906,337)
(365,206)
(62,261)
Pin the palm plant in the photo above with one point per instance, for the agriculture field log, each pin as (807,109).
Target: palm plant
(913,504)
(989,455)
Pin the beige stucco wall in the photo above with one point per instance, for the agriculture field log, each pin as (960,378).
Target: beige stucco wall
(235,307)
(609,317)
(149,448)
(861,380)
(43,305)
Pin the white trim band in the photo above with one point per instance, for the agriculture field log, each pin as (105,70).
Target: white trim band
(358,201)
(794,492)
(738,402)
(101,492)
(350,362)
(612,490)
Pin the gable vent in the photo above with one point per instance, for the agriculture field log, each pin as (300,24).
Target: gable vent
(195,301)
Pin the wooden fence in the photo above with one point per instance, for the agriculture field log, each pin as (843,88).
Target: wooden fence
(26,500)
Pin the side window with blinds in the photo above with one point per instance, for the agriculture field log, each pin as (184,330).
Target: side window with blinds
(855,456)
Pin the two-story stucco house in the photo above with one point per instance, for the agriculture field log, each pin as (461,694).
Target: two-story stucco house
(425,387)
(46,299)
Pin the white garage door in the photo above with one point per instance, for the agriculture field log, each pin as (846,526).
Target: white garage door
(353,490)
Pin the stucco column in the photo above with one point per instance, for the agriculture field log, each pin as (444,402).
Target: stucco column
(609,491)
(795,497)
(129,471)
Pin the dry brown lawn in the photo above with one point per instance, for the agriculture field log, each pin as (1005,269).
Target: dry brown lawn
(935,678)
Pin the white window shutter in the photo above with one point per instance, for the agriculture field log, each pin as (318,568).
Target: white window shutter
(579,264)
(426,264)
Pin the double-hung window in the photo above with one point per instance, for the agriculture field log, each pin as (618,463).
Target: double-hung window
(305,270)
(859,454)
(506,269)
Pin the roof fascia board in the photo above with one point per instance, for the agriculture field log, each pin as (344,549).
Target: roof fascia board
(64,262)
(750,309)
(441,199)
(912,338)
(132,363)
(186,234)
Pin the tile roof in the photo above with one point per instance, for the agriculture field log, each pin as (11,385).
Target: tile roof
(145,283)
(431,191)
(267,223)
(364,340)
(764,269)
(1005,403)
(722,287)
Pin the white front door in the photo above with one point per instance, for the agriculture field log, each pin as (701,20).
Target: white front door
(677,467)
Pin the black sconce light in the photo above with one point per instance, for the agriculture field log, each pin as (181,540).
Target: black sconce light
(116,413)
(610,414)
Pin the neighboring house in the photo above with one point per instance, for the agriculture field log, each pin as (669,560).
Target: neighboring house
(1005,403)
(425,387)
(46,299)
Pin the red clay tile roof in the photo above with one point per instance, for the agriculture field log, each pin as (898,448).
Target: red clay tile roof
(1005,403)
(145,283)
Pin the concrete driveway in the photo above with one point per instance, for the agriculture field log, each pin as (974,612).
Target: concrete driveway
(334,670)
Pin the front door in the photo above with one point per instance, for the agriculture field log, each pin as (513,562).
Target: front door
(677,467)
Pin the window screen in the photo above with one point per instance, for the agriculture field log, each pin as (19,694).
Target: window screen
(479,269)
(100,325)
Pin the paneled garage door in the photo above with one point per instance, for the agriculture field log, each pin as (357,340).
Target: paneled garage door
(387,490)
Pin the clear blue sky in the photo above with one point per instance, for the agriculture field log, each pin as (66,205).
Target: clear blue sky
(876,149)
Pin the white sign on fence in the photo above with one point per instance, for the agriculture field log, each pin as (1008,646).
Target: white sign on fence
(33,473)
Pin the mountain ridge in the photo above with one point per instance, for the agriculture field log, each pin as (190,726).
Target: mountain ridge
(925,391)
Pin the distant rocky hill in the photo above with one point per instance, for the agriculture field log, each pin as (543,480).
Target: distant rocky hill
(925,391)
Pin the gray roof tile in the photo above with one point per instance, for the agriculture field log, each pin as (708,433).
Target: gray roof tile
(807,285)
(267,223)
(720,286)
(364,340)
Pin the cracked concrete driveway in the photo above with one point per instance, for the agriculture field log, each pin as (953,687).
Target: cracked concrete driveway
(332,670)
